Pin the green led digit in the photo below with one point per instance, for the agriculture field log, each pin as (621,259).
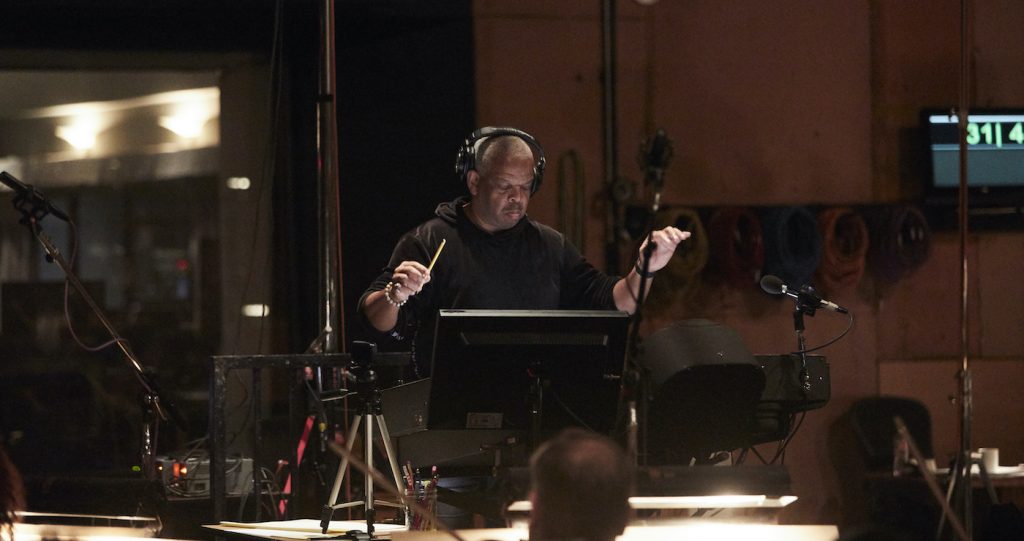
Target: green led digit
(999,135)
(972,133)
(1017,134)
(986,130)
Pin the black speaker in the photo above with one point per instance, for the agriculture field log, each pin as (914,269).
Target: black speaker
(465,161)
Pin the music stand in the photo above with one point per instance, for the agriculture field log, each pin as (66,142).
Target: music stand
(504,368)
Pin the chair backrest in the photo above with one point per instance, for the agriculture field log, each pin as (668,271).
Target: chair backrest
(704,409)
(692,342)
(706,386)
(873,424)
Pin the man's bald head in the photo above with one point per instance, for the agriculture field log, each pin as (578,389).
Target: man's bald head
(580,483)
(502,150)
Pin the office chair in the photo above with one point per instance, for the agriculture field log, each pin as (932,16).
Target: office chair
(705,388)
(873,425)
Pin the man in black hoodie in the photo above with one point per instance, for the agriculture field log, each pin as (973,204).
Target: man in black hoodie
(495,256)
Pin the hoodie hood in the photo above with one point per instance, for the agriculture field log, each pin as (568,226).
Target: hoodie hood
(454,213)
(449,210)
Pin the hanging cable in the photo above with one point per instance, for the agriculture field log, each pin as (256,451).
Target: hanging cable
(792,243)
(737,247)
(845,241)
(901,242)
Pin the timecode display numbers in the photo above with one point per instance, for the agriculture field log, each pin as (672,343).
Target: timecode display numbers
(995,133)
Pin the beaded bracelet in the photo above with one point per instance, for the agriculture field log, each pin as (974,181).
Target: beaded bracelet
(639,270)
(390,288)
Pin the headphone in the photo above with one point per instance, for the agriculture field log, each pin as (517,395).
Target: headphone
(465,161)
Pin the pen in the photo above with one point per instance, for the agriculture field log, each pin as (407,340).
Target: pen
(436,254)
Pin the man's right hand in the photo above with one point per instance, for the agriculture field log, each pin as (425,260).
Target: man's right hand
(408,279)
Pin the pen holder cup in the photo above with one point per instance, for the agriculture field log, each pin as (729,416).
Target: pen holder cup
(426,497)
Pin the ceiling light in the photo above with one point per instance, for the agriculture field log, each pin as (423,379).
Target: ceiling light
(238,183)
(188,120)
(80,133)
(255,310)
(209,96)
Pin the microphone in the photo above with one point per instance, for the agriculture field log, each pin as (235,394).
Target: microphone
(27,193)
(655,155)
(775,286)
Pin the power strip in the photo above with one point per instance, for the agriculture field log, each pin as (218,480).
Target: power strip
(190,477)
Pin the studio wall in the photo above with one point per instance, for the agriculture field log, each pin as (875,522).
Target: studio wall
(777,104)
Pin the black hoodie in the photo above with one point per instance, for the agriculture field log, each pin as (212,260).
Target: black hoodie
(527,267)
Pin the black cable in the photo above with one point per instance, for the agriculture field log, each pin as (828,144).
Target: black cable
(275,83)
(758,454)
(73,241)
(849,326)
(569,410)
(785,442)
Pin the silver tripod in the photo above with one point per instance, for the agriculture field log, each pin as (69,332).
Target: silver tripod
(369,399)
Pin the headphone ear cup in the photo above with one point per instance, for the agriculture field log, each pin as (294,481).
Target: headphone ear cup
(538,175)
(462,166)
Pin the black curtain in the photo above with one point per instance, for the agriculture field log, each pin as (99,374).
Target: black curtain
(405,102)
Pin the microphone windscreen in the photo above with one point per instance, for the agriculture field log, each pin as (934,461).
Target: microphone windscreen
(14,184)
(772,284)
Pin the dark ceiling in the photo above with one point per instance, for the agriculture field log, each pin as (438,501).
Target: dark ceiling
(131,25)
(195,25)
(66,51)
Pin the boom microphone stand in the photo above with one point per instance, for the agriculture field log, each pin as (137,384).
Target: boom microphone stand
(655,153)
(34,207)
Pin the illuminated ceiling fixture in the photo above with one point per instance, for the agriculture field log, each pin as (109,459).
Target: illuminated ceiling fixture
(189,118)
(209,98)
(239,183)
(189,111)
(255,310)
(80,132)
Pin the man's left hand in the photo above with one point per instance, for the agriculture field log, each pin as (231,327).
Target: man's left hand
(665,241)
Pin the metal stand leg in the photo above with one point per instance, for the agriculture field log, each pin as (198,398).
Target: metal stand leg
(960,481)
(932,483)
(369,502)
(536,412)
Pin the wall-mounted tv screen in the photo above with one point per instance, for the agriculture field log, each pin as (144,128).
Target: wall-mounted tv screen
(995,156)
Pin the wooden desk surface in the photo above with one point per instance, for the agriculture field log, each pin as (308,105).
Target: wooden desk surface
(691,531)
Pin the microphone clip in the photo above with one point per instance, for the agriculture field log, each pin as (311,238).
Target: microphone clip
(807,301)
(807,296)
(30,202)
(31,206)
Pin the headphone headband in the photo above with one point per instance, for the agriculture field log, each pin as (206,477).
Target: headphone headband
(465,161)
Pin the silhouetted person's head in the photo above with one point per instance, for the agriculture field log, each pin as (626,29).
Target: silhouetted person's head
(580,487)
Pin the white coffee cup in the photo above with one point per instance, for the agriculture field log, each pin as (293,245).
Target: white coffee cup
(990,458)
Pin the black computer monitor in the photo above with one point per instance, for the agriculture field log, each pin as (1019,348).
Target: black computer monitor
(486,362)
